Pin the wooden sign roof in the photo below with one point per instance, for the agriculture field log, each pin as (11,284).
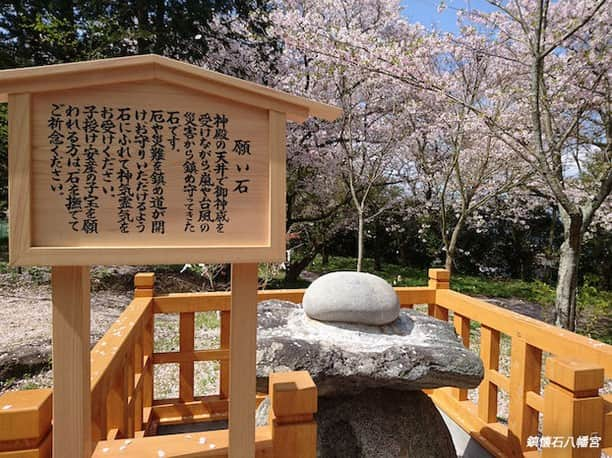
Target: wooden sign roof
(153,67)
(146,160)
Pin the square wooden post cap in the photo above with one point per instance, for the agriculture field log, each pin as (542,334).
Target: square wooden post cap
(293,394)
(25,415)
(575,376)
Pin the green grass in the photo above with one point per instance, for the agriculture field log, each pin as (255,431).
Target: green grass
(534,291)
(3,240)
(209,320)
(395,274)
(398,275)
(597,304)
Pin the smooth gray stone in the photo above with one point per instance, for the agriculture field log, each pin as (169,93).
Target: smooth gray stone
(351,297)
(412,353)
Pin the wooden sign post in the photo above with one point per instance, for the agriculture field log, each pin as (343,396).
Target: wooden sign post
(145,160)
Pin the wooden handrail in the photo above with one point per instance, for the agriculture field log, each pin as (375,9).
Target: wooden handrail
(123,360)
(122,368)
(213,444)
(546,337)
(563,407)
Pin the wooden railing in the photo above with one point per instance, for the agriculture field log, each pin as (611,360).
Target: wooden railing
(123,361)
(125,417)
(570,404)
(121,370)
(575,369)
(291,432)
(188,408)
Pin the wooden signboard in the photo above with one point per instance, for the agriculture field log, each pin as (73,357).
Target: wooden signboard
(146,160)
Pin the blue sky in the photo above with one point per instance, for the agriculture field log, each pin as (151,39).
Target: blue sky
(426,12)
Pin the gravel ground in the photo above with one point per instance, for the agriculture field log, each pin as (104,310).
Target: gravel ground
(25,340)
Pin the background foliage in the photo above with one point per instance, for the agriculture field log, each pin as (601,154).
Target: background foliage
(413,175)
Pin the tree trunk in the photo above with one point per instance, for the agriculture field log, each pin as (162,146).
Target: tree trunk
(567,279)
(378,248)
(451,248)
(325,256)
(294,269)
(143,32)
(450,258)
(360,241)
(550,251)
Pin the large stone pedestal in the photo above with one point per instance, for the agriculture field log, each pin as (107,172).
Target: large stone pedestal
(369,378)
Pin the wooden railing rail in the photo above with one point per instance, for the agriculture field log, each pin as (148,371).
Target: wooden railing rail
(561,405)
(121,369)
(546,337)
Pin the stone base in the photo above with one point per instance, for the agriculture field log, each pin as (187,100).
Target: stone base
(379,423)
(382,424)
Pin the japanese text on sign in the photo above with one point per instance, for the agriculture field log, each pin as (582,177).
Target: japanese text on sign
(121,153)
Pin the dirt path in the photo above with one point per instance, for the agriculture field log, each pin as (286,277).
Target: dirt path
(25,321)
(25,338)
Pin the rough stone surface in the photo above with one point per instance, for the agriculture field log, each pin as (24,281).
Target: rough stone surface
(382,423)
(412,353)
(262,414)
(351,297)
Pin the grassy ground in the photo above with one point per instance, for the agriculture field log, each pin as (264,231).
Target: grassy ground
(3,240)
(207,336)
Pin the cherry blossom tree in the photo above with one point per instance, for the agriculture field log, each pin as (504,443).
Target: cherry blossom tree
(463,167)
(560,121)
(362,148)
(552,64)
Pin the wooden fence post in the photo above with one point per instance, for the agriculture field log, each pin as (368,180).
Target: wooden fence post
(525,374)
(99,411)
(293,402)
(243,342)
(224,366)
(573,408)
(462,327)
(71,362)
(487,391)
(144,286)
(607,438)
(25,423)
(439,279)
(186,346)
